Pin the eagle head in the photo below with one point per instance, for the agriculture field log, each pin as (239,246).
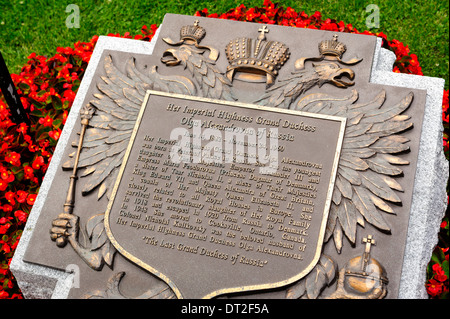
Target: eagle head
(333,73)
(181,54)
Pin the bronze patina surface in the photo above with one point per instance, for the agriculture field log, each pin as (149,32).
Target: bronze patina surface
(284,68)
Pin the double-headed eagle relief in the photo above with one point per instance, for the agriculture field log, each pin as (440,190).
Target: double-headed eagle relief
(366,186)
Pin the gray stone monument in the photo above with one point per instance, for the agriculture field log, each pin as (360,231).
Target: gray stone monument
(352,210)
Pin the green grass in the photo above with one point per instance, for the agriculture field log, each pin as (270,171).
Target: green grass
(39,26)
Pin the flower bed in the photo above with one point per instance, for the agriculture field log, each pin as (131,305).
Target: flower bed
(47,87)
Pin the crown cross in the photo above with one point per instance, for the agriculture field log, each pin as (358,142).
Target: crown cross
(263,30)
(261,37)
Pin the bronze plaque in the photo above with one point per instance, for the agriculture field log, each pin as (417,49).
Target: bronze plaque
(183,239)
(244,209)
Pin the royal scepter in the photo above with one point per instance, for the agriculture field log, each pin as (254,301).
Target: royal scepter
(86,114)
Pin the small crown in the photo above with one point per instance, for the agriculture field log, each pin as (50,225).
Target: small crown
(192,32)
(259,54)
(332,47)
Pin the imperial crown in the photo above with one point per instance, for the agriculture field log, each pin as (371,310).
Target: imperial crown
(192,32)
(332,47)
(256,57)
(189,35)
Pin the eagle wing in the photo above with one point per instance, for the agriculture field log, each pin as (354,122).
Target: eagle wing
(211,82)
(117,108)
(286,91)
(369,163)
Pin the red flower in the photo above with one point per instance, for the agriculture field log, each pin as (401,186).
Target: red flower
(317,15)
(13,158)
(4,220)
(21,216)
(31,199)
(23,128)
(434,288)
(3,185)
(38,162)
(251,14)
(7,208)
(6,175)
(445,114)
(3,294)
(329,25)
(55,134)
(10,197)
(6,248)
(4,228)
(444,224)
(4,147)
(44,86)
(29,171)
(65,114)
(439,273)
(69,95)
(46,121)
(66,51)
(290,13)
(21,196)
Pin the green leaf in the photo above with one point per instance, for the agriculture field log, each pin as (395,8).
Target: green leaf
(19,175)
(56,102)
(438,255)
(76,85)
(37,113)
(43,136)
(445,267)
(37,104)
(18,232)
(57,123)
(66,105)
(24,87)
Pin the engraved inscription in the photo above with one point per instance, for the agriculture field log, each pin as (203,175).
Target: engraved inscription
(219,211)
(231,205)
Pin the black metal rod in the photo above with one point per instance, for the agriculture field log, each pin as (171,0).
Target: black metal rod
(9,91)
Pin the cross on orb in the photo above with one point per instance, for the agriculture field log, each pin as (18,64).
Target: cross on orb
(369,241)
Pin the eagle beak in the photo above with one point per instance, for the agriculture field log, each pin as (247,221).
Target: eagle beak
(339,82)
(169,58)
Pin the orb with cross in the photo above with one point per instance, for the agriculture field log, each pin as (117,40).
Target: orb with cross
(363,277)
